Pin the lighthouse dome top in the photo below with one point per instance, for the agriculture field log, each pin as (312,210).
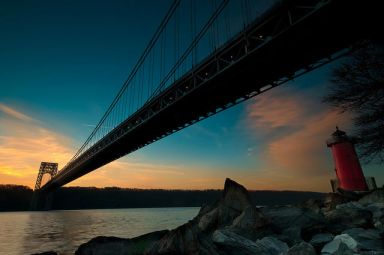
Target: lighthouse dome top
(339,136)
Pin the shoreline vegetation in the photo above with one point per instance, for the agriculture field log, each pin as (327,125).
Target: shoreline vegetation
(18,198)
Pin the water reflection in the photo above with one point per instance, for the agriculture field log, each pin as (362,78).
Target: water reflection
(64,231)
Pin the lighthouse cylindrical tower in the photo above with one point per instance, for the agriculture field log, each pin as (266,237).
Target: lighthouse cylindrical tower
(347,165)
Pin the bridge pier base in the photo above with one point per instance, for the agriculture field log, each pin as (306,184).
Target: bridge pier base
(41,201)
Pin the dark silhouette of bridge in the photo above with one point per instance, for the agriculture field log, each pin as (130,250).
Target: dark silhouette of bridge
(193,69)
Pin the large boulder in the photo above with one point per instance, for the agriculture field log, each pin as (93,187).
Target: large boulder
(250,218)
(367,239)
(341,245)
(319,240)
(234,201)
(376,196)
(186,239)
(232,243)
(103,245)
(336,247)
(377,210)
(344,218)
(333,199)
(295,224)
(302,248)
(194,237)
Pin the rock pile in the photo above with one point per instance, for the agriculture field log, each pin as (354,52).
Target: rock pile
(234,226)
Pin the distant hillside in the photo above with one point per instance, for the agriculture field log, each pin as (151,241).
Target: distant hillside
(17,198)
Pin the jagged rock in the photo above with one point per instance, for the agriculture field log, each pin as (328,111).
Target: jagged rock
(251,217)
(377,210)
(286,216)
(233,202)
(273,245)
(347,240)
(351,205)
(376,196)
(251,224)
(235,196)
(345,218)
(291,235)
(233,243)
(319,240)
(209,220)
(336,247)
(103,245)
(46,253)
(302,248)
(333,199)
(367,239)
(313,204)
(194,236)
(182,240)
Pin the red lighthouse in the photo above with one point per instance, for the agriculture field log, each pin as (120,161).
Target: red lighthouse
(347,165)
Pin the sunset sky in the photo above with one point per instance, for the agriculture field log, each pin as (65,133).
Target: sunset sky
(62,64)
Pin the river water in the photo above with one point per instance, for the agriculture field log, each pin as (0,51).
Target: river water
(63,231)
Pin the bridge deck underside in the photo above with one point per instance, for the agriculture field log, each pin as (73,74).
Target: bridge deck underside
(326,31)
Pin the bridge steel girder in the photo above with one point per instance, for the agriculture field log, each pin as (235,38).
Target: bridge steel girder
(293,38)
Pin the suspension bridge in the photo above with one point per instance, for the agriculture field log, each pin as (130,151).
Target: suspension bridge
(207,56)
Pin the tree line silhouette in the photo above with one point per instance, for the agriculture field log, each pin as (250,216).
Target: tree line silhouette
(18,198)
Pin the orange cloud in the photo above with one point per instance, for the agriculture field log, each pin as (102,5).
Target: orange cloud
(296,159)
(24,144)
(274,110)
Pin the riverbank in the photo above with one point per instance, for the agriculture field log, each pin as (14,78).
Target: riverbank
(233,225)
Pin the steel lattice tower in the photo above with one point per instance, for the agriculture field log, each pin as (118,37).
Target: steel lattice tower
(45,168)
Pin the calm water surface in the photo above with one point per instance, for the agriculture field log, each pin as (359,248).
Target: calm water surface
(63,231)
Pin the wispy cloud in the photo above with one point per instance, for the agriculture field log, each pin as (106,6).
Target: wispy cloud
(14,113)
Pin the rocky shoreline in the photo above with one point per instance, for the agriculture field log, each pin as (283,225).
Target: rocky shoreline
(339,224)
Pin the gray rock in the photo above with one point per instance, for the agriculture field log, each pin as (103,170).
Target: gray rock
(194,237)
(376,196)
(319,240)
(313,204)
(350,205)
(291,235)
(377,210)
(186,239)
(232,243)
(273,245)
(367,239)
(347,240)
(235,196)
(302,248)
(286,216)
(333,199)
(234,201)
(336,247)
(345,218)
(209,220)
(250,218)
(119,246)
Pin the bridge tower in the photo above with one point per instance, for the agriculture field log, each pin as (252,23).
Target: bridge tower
(42,200)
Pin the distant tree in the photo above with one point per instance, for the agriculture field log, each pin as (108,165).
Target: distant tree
(358,87)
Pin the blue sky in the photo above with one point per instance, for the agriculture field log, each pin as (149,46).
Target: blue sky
(62,63)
